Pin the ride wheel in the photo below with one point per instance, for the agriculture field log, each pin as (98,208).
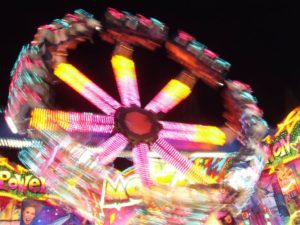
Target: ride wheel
(76,169)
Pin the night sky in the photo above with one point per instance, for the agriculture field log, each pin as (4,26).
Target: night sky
(258,38)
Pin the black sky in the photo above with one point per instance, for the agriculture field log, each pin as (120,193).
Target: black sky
(258,38)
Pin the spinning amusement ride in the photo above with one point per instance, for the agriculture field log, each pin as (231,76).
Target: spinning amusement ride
(75,170)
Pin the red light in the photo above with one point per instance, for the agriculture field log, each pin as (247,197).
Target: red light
(138,123)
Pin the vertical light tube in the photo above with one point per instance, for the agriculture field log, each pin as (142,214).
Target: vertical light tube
(141,163)
(125,76)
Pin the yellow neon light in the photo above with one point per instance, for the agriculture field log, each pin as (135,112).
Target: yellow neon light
(283,149)
(209,134)
(289,122)
(123,67)
(44,119)
(5,163)
(177,90)
(72,76)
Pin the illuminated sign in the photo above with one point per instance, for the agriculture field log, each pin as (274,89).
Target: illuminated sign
(121,192)
(285,144)
(125,191)
(119,196)
(17,182)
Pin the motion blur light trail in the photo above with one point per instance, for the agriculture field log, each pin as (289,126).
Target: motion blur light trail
(77,168)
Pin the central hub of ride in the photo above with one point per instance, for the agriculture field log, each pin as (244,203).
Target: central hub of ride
(137,124)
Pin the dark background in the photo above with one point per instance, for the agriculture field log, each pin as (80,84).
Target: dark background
(258,38)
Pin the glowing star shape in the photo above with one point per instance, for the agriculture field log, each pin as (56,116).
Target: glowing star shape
(128,123)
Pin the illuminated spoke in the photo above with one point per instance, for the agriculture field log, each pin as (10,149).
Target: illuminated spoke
(111,149)
(170,96)
(53,120)
(141,163)
(83,85)
(192,132)
(124,71)
(171,155)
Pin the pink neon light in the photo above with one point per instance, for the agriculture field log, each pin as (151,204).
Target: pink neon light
(171,95)
(111,148)
(115,13)
(83,85)
(88,122)
(141,163)
(99,103)
(18,99)
(161,103)
(192,132)
(24,63)
(72,17)
(167,125)
(171,155)
(128,92)
(185,36)
(192,136)
(210,54)
(33,95)
(143,20)
(81,127)
(125,76)
(91,118)
(101,94)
